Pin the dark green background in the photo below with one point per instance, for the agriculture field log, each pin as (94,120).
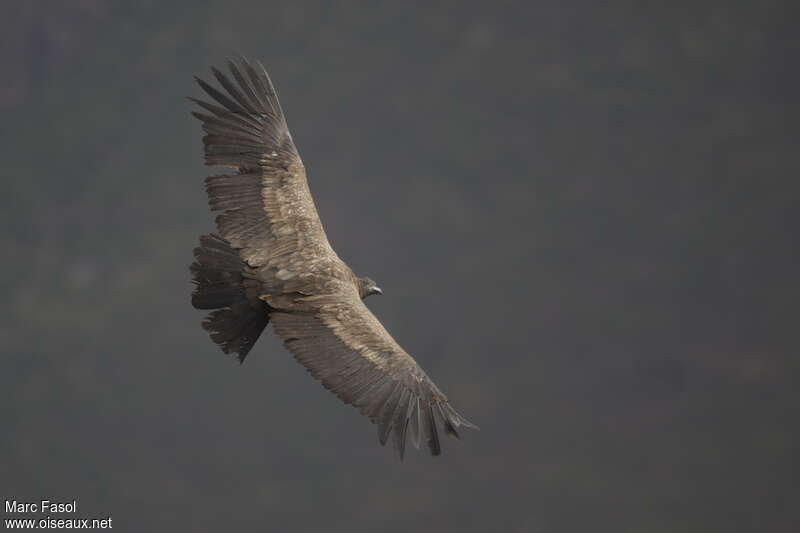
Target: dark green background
(583,215)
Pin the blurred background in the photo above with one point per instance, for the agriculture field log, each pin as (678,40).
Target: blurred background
(583,216)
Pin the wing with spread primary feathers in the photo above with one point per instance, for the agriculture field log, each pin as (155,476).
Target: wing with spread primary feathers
(267,212)
(343,345)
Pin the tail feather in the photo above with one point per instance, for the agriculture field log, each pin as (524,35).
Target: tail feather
(239,318)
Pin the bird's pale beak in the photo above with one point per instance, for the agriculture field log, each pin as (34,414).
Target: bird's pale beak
(377,290)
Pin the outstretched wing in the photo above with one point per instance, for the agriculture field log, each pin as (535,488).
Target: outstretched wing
(343,345)
(267,212)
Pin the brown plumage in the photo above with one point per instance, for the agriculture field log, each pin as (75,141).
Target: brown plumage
(272,262)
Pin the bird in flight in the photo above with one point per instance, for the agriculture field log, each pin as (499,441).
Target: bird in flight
(271,261)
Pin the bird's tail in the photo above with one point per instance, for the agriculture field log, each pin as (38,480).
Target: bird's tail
(220,284)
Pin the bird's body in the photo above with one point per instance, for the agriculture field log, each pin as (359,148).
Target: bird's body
(272,262)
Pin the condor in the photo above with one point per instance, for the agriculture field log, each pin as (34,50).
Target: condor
(271,261)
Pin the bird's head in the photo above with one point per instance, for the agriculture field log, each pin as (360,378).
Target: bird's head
(367,287)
